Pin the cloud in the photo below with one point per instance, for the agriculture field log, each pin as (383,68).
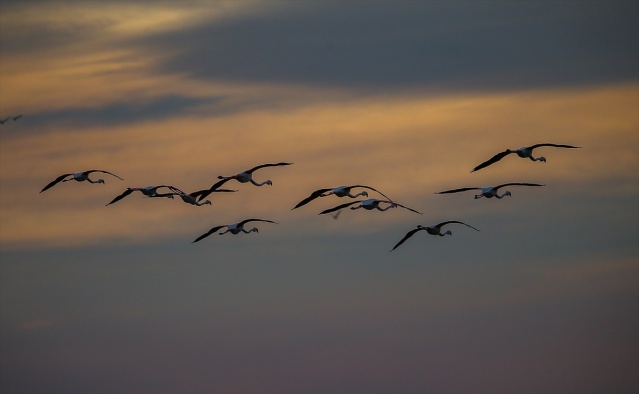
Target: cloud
(407,147)
(120,113)
(384,46)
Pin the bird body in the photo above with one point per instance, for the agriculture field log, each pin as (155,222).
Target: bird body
(491,191)
(370,204)
(524,152)
(432,230)
(78,177)
(234,228)
(341,191)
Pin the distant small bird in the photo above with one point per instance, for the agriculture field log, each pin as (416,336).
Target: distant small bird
(234,229)
(192,198)
(432,230)
(17,117)
(149,191)
(525,152)
(336,214)
(341,191)
(369,204)
(79,177)
(491,191)
(2,121)
(247,176)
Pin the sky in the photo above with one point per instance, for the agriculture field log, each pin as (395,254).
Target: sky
(406,97)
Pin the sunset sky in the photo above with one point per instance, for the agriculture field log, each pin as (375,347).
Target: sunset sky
(403,96)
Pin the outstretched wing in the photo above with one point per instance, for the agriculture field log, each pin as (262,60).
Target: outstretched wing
(200,193)
(105,172)
(371,188)
(408,235)
(176,190)
(211,231)
(554,145)
(493,159)
(337,208)
(405,207)
(455,221)
(243,222)
(121,196)
(463,189)
(517,184)
(267,165)
(312,197)
(213,188)
(54,182)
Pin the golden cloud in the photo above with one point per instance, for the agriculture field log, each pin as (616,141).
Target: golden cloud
(407,147)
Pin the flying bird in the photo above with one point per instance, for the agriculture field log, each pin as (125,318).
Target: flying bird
(525,152)
(149,191)
(234,229)
(369,204)
(432,230)
(79,177)
(194,198)
(491,191)
(16,117)
(341,191)
(247,176)
(2,121)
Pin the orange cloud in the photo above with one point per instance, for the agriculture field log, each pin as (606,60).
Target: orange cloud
(407,147)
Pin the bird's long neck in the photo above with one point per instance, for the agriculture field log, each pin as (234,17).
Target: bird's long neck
(253,230)
(267,182)
(357,195)
(446,233)
(503,195)
(96,181)
(540,158)
(387,208)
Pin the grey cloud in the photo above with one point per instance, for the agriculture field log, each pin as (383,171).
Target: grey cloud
(131,112)
(390,45)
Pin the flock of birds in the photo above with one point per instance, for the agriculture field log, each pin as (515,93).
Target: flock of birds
(198,198)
